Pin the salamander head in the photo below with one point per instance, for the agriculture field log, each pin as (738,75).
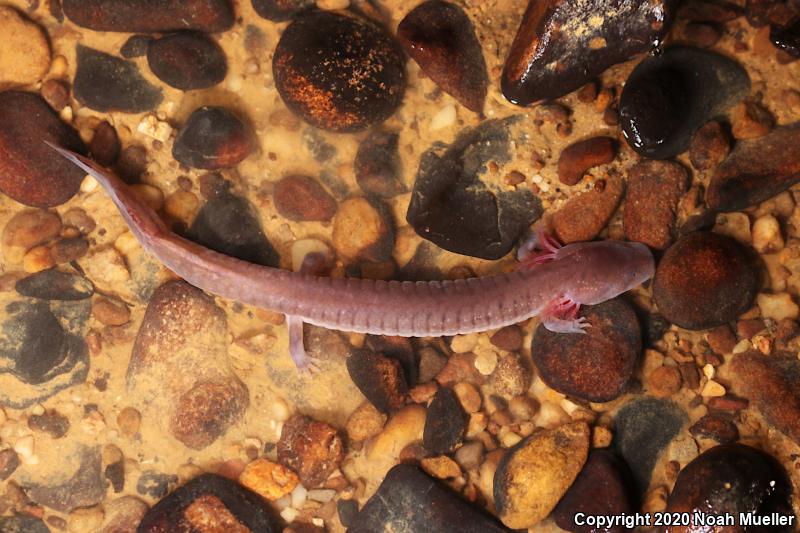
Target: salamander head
(605,269)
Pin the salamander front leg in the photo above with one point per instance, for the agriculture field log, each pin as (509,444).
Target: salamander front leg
(539,248)
(561,316)
(304,362)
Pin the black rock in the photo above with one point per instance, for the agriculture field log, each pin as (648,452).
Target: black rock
(54,284)
(203,493)
(187,60)
(84,489)
(155,484)
(281,10)
(669,96)
(347,511)
(601,489)
(786,38)
(22,523)
(228,224)
(9,461)
(408,501)
(319,56)
(38,353)
(135,46)
(644,427)
(115,474)
(380,379)
(445,423)
(563,44)
(107,83)
(51,422)
(213,138)
(399,348)
(377,165)
(733,479)
(450,205)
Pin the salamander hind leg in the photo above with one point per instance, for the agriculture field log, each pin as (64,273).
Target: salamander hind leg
(561,316)
(540,248)
(304,362)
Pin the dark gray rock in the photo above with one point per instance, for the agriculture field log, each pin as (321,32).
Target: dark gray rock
(85,488)
(445,423)
(22,524)
(155,484)
(54,284)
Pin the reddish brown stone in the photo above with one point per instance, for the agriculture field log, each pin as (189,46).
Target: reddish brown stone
(756,170)
(303,199)
(583,217)
(150,16)
(702,34)
(771,384)
(105,145)
(508,338)
(204,412)
(187,61)
(579,157)
(550,57)
(728,403)
(747,329)
(690,375)
(704,280)
(213,138)
(710,146)
(318,57)
(377,165)
(594,367)
(312,449)
(734,479)
(715,427)
(710,11)
(721,339)
(9,461)
(440,37)
(56,94)
(29,172)
(281,10)
(380,379)
(751,120)
(651,203)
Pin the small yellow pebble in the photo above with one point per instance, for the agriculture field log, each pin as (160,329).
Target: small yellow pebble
(271,480)
(713,389)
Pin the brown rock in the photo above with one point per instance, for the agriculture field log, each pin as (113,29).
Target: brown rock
(728,403)
(750,120)
(379,378)
(690,375)
(732,479)
(128,421)
(508,338)
(702,34)
(715,427)
(111,313)
(317,58)
(147,16)
(770,383)
(721,339)
(534,475)
(710,11)
(51,422)
(747,329)
(664,381)
(583,217)
(445,423)
(105,146)
(24,51)
(579,157)
(550,57)
(28,229)
(594,367)
(28,171)
(187,60)
(460,367)
(270,480)
(440,37)
(281,10)
(85,486)
(312,449)
(365,422)
(180,368)
(654,190)
(756,170)
(710,146)
(363,230)
(378,165)
(123,515)
(213,138)
(704,280)
(511,377)
(601,489)
(9,461)
(303,199)
(56,94)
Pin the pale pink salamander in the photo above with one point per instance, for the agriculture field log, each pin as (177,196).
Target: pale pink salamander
(553,284)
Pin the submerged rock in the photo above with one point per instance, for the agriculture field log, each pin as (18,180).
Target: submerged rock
(670,96)
(377,165)
(318,57)
(55,285)
(281,10)
(440,37)
(452,207)
(28,171)
(148,16)
(213,138)
(563,44)
(187,60)
(84,488)
(756,170)
(408,501)
(107,83)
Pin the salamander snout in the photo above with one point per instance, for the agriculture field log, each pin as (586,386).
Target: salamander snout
(637,263)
